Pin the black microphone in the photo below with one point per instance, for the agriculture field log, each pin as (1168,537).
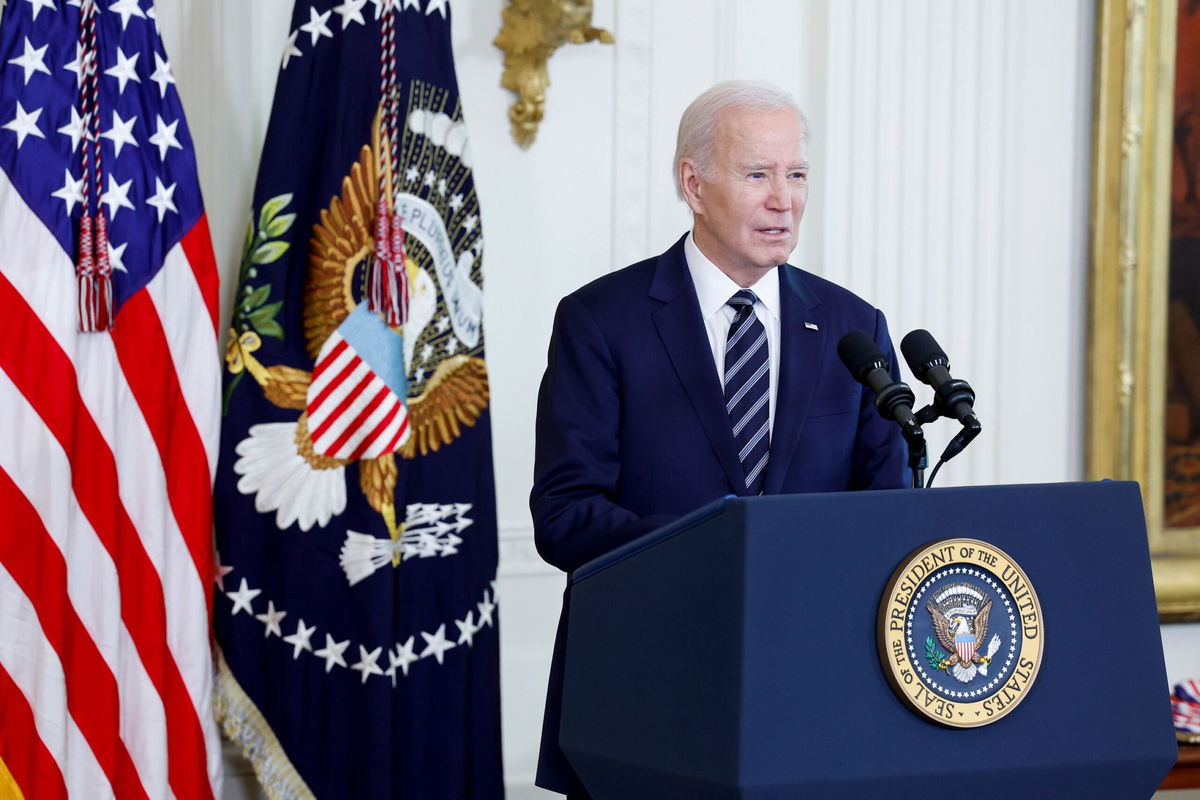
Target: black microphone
(953,398)
(866,363)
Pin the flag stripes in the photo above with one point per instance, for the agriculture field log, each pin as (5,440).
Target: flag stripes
(149,524)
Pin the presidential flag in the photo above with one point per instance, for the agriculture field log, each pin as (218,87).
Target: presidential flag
(355,503)
(109,412)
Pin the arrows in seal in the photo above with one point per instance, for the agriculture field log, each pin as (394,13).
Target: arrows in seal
(430,529)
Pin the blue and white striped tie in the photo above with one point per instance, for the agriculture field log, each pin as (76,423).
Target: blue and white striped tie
(748,388)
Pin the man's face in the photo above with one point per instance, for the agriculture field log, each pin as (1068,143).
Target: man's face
(748,208)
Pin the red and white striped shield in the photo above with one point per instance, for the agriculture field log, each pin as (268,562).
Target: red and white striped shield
(356,399)
(965,644)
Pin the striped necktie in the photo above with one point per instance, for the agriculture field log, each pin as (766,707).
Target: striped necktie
(747,389)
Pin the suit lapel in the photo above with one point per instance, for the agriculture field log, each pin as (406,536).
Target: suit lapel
(801,356)
(682,332)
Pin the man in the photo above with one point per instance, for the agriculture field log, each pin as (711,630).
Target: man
(706,371)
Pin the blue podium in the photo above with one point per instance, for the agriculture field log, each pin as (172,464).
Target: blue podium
(733,654)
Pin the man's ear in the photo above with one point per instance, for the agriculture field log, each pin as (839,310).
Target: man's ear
(690,184)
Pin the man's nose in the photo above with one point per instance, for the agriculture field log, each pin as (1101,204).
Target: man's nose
(780,197)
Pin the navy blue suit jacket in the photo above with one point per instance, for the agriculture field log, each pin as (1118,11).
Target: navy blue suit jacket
(632,430)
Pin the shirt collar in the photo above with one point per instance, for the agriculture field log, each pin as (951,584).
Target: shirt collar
(714,287)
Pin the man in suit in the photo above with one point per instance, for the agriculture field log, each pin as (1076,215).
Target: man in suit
(706,371)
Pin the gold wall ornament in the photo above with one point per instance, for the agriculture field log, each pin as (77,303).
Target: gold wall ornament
(1131,215)
(532,31)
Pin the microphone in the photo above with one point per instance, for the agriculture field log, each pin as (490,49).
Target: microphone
(866,363)
(953,398)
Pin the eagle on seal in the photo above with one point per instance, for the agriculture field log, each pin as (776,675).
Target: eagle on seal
(961,637)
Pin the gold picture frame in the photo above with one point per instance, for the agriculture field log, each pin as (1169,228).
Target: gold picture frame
(1131,226)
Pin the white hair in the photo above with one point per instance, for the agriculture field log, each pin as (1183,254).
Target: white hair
(698,125)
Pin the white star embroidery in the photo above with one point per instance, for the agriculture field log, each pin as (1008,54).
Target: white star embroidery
(38,5)
(162,74)
(402,658)
(127,9)
(436,5)
(32,60)
(436,644)
(443,187)
(456,202)
(76,66)
(117,197)
(366,662)
(164,138)
(427,352)
(163,198)
(485,611)
(221,569)
(453,345)
(271,620)
(316,27)
(242,597)
(470,222)
(419,375)
(332,653)
(116,259)
(290,49)
(74,129)
(442,323)
(478,246)
(300,639)
(25,124)
(125,69)
(467,629)
(411,174)
(429,176)
(121,132)
(71,191)
(351,11)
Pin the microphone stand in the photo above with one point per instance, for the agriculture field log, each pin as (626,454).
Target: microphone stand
(918,453)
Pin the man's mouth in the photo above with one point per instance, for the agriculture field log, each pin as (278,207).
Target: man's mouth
(773,231)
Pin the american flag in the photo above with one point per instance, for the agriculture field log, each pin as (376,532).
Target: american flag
(109,437)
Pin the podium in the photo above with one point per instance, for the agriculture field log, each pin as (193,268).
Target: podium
(734,653)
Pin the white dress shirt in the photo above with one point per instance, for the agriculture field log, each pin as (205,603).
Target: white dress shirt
(713,290)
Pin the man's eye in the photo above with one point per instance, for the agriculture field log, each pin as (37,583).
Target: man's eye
(799,176)
(757,175)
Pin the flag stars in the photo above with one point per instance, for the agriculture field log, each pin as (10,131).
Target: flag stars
(456,202)
(470,222)
(38,5)
(71,191)
(366,664)
(127,9)
(436,644)
(443,187)
(76,66)
(427,352)
(116,259)
(117,197)
(125,70)
(25,124)
(75,129)
(467,629)
(486,608)
(436,5)
(412,174)
(33,59)
(402,658)
(429,178)
(244,595)
(164,138)
(316,27)
(162,74)
(290,50)
(163,198)
(443,322)
(271,620)
(351,11)
(301,640)
(332,653)
(121,132)
(221,570)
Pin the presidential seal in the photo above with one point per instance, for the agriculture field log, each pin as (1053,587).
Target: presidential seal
(960,632)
